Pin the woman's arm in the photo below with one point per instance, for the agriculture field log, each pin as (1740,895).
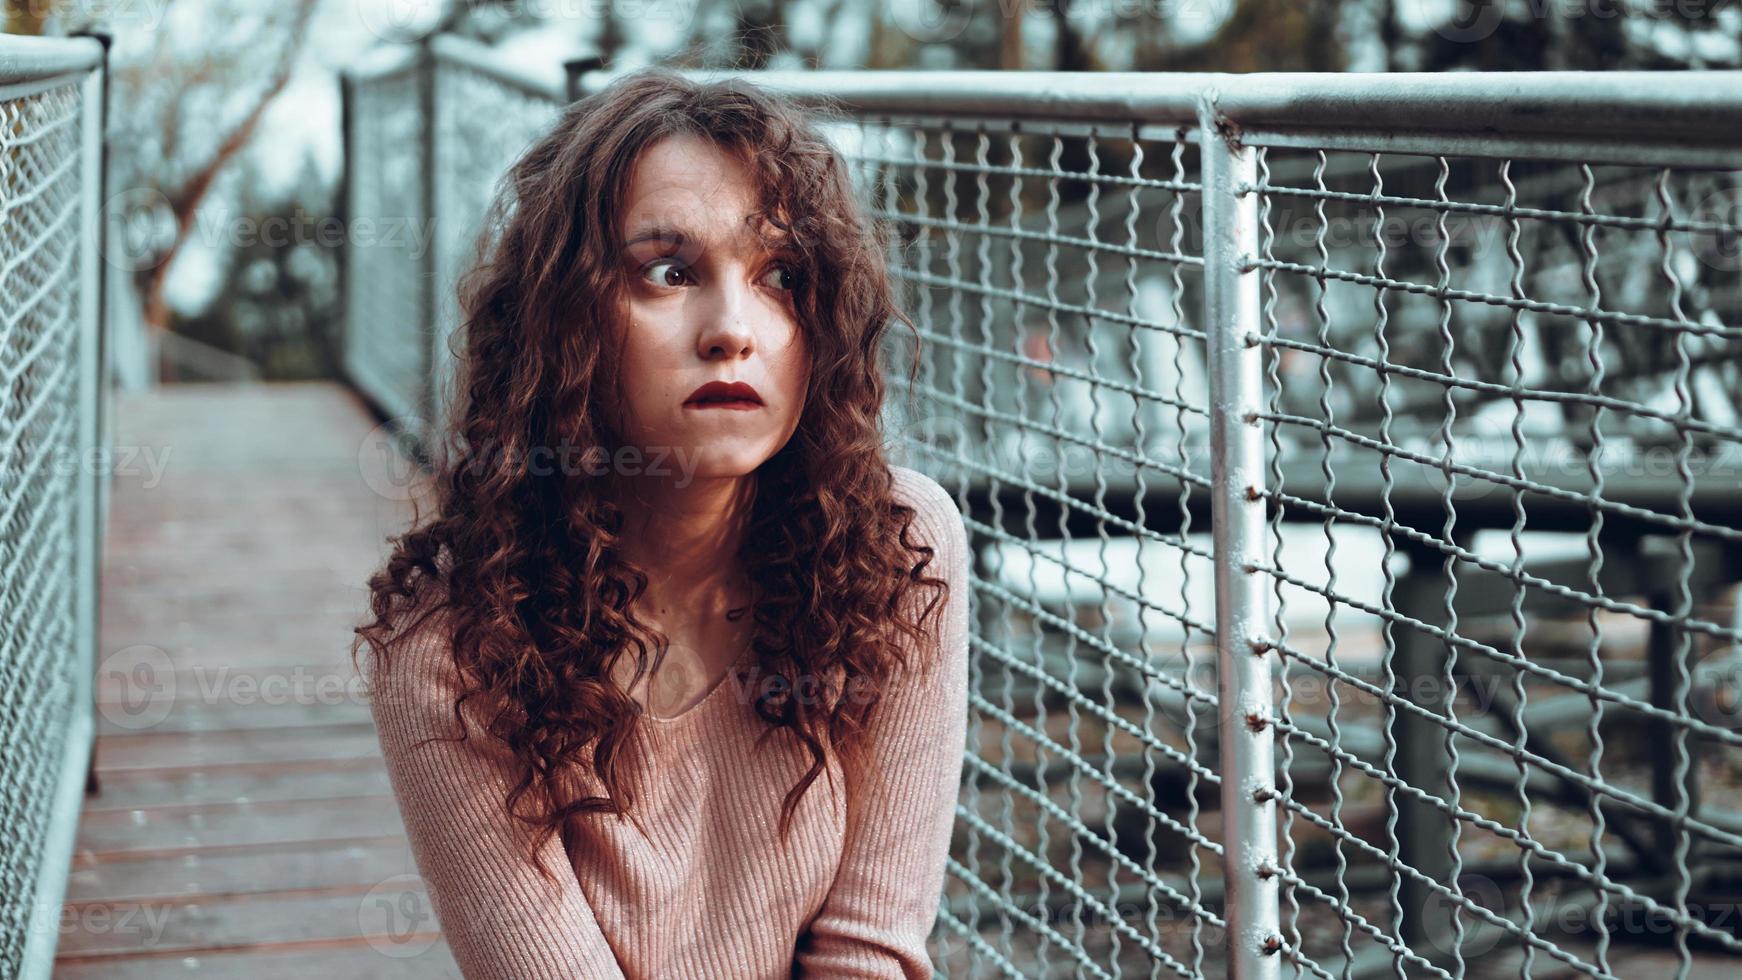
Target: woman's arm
(901,802)
(501,918)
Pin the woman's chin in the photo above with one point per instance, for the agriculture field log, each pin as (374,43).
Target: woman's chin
(713,462)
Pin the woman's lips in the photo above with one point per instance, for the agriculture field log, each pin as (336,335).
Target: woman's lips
(739,405)
(734,395)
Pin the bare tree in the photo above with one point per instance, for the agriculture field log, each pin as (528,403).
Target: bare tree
(185,112)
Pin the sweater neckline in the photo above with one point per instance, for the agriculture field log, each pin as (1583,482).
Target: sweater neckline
(714,693)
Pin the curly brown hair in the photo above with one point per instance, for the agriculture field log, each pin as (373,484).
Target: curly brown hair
(526,559)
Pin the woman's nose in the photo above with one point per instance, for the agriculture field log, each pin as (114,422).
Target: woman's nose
(725,330)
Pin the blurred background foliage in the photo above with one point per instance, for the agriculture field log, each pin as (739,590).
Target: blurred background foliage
(229,109)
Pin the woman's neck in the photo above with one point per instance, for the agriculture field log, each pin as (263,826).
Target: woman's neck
(687,539)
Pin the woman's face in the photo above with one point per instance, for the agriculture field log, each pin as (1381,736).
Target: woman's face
(707,301)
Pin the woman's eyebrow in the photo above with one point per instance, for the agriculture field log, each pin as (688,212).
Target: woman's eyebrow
(771,242)
(674,237)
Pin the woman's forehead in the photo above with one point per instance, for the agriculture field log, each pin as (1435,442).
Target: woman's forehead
(685,190)
(690,166)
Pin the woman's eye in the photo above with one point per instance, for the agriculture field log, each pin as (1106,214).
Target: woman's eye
(665,272)
(780,277)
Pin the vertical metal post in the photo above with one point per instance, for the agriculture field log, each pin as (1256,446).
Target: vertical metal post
(1423,831)
(1243,657)
(576,69)
(435,281)
(95,356)
(1661,653)
(92,469)
(348,326)
(89,469)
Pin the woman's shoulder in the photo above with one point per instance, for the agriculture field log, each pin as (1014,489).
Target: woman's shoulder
(937,522)
(937,508)
(418,665)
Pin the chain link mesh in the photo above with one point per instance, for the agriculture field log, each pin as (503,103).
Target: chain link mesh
(41,189)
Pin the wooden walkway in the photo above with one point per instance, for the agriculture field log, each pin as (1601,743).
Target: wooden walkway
(244,824)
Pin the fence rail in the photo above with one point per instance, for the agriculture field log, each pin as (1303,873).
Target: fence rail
(1352,464)
(52,503)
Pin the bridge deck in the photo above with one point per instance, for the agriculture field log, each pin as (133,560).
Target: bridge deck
(243,823)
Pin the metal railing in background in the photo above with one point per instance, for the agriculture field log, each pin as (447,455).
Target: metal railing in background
(52,496)
(1352,464)
(421,166)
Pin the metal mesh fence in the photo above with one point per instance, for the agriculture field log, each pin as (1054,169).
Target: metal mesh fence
(473,151)
(1479,480)
(1529,437)
(388,297)
(1054,275)
(48,499)
(424,160)
(1351,467)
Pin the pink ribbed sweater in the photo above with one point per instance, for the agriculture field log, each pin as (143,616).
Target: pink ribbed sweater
(711,892)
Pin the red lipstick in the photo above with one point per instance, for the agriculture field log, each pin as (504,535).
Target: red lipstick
(724,394)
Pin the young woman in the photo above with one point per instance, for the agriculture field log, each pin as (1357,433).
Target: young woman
(674,682)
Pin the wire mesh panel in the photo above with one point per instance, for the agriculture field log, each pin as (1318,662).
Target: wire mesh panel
(387,283)
(486,116)
(1466,421)
(1501,388)
(1052,273)
(49,126)
(432,128)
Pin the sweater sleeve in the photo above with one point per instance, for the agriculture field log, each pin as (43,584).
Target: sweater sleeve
(901,802)
(501,918)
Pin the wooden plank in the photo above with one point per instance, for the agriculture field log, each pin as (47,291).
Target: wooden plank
(131,677)
(227,701)
(329,961)
(119,832)
(309,780)
(277,869)
(194,926)
(182,750)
